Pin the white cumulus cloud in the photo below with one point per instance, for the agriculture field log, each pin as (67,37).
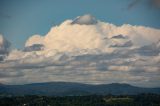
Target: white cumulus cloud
(82,35)
(89,51)
(35,39)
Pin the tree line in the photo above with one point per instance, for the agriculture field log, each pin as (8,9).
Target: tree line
(90,100)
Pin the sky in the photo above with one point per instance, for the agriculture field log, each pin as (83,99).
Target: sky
(93,41)
(20,19)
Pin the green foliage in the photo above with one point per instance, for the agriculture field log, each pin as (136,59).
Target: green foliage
(92,100)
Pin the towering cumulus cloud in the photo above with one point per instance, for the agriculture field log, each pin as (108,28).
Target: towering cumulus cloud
(85,32)
(89,51)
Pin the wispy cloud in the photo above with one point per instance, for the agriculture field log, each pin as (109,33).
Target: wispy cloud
(5,16)
(133,4)
(151,3)
(156,3)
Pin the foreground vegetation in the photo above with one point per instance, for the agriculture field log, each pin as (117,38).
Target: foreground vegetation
(92,100)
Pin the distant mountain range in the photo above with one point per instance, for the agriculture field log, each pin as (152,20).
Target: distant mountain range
(69,89)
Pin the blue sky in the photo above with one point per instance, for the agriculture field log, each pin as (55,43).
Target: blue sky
(100,53)
(20,19)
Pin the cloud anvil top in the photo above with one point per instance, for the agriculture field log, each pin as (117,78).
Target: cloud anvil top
(87,50)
